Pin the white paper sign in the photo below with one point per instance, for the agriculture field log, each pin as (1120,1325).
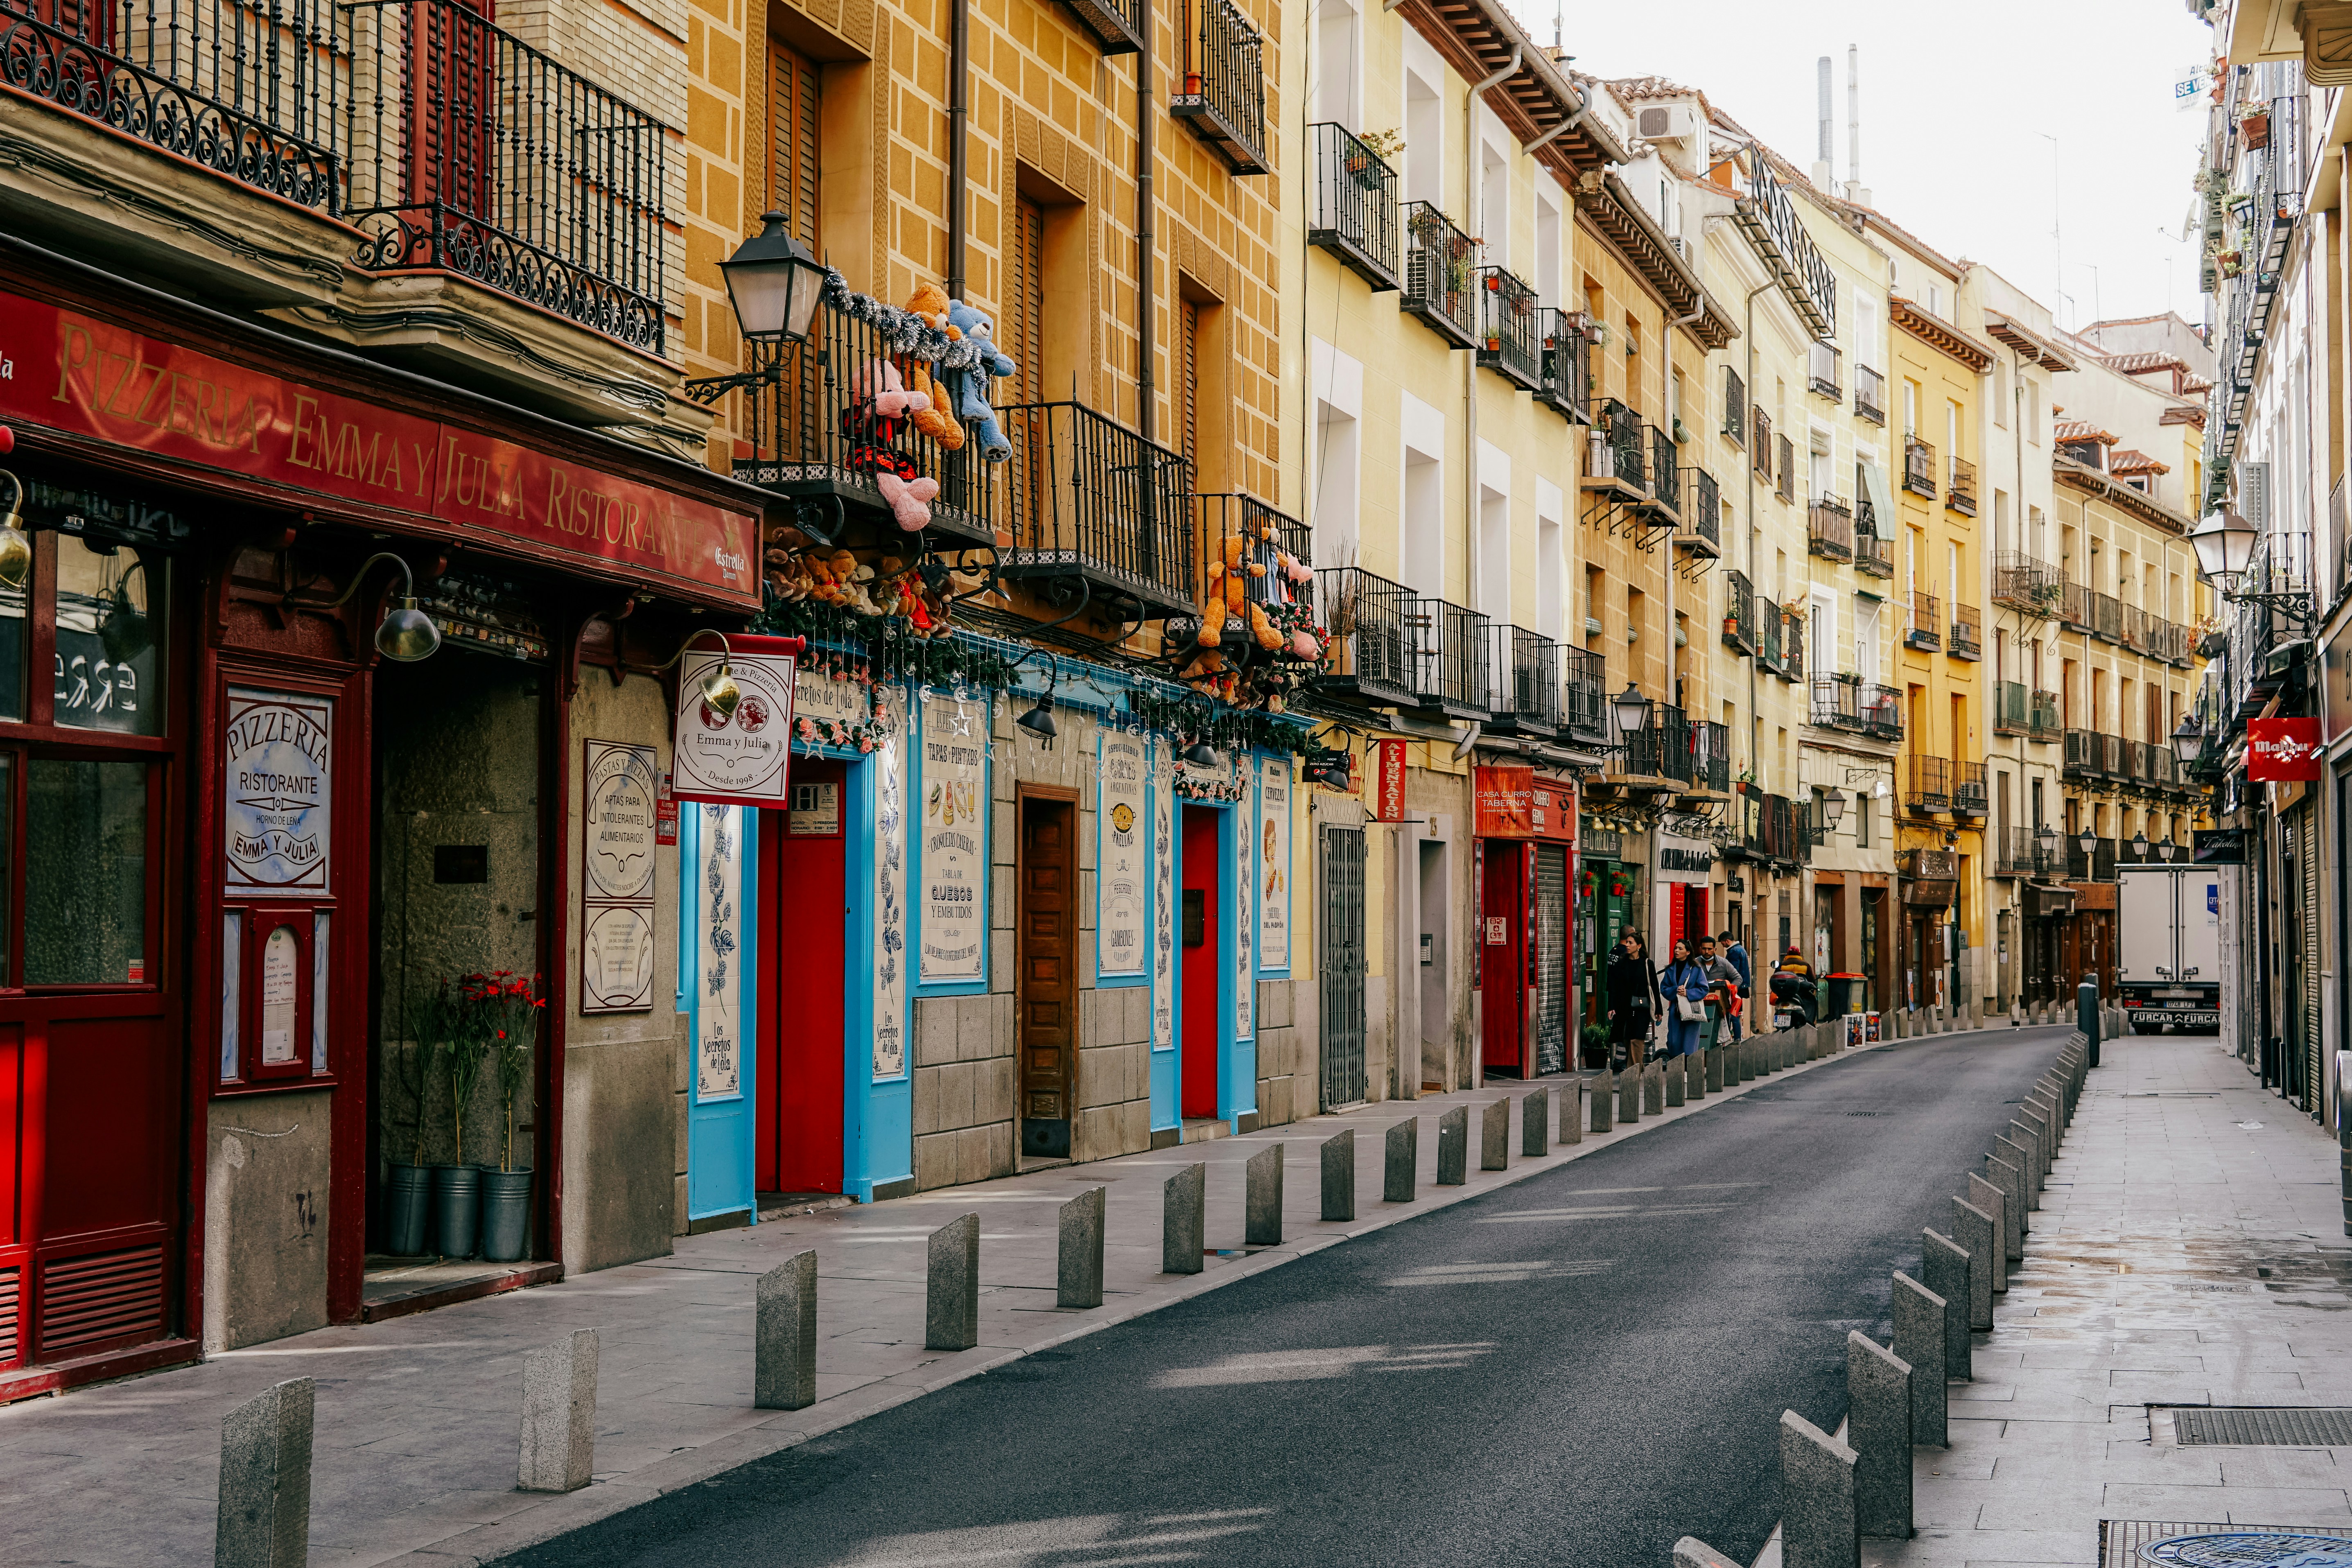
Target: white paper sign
(619,787)
(1164,903)
(740,757)
(717,1022)
(889,889)
(276,793)
(1273,868)
(955,840)
(280,966)
(1123,870)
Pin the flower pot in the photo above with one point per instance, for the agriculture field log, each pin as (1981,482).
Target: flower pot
(506,1214)
(456,1209)
(2254,129)
(407,1204)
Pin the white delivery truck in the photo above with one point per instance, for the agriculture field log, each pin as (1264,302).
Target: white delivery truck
(2168,946)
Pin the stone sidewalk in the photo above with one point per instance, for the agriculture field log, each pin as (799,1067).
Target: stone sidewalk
(2190,1250)
(417,1417)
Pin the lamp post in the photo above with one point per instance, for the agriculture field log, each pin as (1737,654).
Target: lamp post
(2166,850)
(1633,710)
(2189,740)
(774,284)
(1834,806)
(2225,545)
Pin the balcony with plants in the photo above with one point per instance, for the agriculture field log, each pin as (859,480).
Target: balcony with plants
(1511,335)
(1616,460)
(1967,633)
(1830,532)
(1566,370)
(1357,216)
(1791,664)
(1371,623)
(1741,625)
(1221,95)
(2024,583)
(1441,275)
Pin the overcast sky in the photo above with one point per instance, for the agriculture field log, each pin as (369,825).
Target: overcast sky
(1958,110)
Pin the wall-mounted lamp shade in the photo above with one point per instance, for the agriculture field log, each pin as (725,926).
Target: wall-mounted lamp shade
(1039,719)
(774,284)
(2224,543)
(2088,840)
(1633,710)
(2140,845)
(2189,740)
(2165,851)
(1834,806)
(1199,755)
(719,692)
(15,549)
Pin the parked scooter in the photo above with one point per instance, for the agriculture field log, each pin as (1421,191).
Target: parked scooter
(1796,1001)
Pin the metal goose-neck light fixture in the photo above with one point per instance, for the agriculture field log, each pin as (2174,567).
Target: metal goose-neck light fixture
(406,633)
(16,547)
(1039,719)
(717,686)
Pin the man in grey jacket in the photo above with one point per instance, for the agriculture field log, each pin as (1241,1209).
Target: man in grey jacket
(1723,984)
(1736,955)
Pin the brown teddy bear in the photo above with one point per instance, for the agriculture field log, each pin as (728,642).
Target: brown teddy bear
(938,421)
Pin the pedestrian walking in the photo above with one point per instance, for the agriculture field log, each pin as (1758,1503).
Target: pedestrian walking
(1631,983)
(1735,952)
(1722,990)
(1685,990)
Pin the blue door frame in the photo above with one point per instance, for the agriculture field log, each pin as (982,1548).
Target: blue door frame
(719,1130)
(1236,1059)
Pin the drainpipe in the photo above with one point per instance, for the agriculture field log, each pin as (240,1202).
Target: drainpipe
(1146,69)
(1470,196)
(1583,102)
(959,166)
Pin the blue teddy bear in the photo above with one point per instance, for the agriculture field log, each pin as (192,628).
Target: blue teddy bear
(971,383)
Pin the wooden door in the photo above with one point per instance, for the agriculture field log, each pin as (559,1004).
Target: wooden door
(802,924)
(1198,1015)
(1046,969)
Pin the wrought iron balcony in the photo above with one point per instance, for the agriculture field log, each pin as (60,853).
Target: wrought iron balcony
(1787,487)
(1924,627)
(1792,643)
(802,418)
(1961,491)
(2021,852)
(1223,94)
(1710,757)
(1567,375)
(2009,706)
(1837,704)
(1930,788)
(1769,622)
(2111,756)
(1759,445)
(1919,468)
(1831,528)
(1665,475)
(2099,866)
(1242,530)
(1356,213)
(1441,275)
(1512,342)
(2081,758)
(2073,604)
(1583,681)
(1527,690)
(1662,748)
(1701,528)
(2022,583)
(1823,371)
(1969,797)
(1370,620)
(1616,451)
(1870,395)
(1968,637)
(2107,618)
(1093,502)
(1451,672)
(1882,711)
(1873,555)
(1117,30)
(1740,620)
(2043,722)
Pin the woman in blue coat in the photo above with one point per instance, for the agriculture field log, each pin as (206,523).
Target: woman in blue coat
(1684,978)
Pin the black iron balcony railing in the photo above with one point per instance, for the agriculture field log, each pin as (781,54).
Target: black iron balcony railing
(1662,748)
(1239,528)
(2011,705)
(2022,583)
(1769,623)
(1094,501)
(2010,851)
(1785,488)
(1617,449)
(1759,443)
(1512,340)
(1869,394)
(2167,640)
(1584,694)
(1739,623)
(2107,618)
(2081,758)
(2136,769)
(1735,406)
(1223,94)
(1567,375)
(1356,213)
(1873,555)
(1919,468)
(1831,528)
(2073,604)
(1710,756)
(1528,691)
(1665,471)
(802,420)
(1701,530)
(1837,704)
(1960,489)
(1371,621)
(1930,786)
(1792,643)
(2043,722)
(1441,275)
(449,144)
(1969,797)
(1821,369)
(1968,636)
(1924,627)
(1450,647)
(1882,711)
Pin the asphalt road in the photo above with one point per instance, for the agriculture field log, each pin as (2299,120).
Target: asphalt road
(1574,1370)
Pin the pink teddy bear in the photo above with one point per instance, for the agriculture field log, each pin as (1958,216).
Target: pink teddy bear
(878,402)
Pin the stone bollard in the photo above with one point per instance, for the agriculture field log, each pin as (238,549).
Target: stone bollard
(783,1336)
(1262,1198)
(1712,1074)
(1694,1076)
(1690,1552)
(1604,1102)
(1184,1221)
(2008,1151)
(1817,1523)
(559,1415)
(1980,1233)
(265,1480)
(951,1295)
(2024,1151)
(1339,1176)
(1495,1136)
(1919,1340)
(1878,1430)
(1400,1166)
(1628,1094)
(1571,1111)
(1079,1263)
(1992,1196)
(1453,1147)
(1944,1268)
(1677,1073)
(1653,1089)
(1535,1123)
(2038,1133)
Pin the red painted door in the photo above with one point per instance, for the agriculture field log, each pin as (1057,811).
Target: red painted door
(803,920)
(1197,934)
(1503,957)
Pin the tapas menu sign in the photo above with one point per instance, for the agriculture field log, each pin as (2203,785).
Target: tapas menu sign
(1273,873)
(1119,807)
(616,878)
(277,793)
(955,842)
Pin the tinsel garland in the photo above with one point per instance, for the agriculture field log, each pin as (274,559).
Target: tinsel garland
(903,331)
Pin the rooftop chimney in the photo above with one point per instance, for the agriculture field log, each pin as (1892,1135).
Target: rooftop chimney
(1824,171)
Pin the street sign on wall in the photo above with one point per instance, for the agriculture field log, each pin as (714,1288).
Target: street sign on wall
(1387,781)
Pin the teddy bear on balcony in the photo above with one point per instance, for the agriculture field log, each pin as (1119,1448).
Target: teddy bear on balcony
(875,417)
(971,382)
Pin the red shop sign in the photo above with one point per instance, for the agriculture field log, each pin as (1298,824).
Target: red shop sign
(1387,781)
(2283,750)
(79,373)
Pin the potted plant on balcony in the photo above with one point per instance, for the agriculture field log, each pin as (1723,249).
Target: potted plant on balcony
(2254,125)
(1370,154)
(511,1007)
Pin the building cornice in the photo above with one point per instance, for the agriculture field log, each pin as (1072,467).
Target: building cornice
(1938,333)
(2121,495)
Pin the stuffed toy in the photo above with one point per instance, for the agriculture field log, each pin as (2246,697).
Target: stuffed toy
(929,305)
(971,384)
(1226,596)
(828,575)
(875,417)
(910,499)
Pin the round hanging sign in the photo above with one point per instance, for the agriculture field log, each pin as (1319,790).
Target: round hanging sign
(2250,1548)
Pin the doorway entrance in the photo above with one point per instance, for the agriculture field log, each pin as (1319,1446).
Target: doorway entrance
(1201,989)
(1503,958)
(803,924)
(1047,984)
(1342,1016)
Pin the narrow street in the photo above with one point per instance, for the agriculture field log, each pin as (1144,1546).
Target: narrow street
(1580,1368)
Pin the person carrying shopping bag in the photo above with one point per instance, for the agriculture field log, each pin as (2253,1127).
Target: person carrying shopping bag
(1683,990)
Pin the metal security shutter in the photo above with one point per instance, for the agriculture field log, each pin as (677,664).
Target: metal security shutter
(1551,958)
(1342,1020)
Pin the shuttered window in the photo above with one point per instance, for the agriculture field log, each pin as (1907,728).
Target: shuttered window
(1025,300)
(1188,379)
(793,166)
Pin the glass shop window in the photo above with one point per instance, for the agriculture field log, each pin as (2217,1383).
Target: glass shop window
(86,855)
(109,659)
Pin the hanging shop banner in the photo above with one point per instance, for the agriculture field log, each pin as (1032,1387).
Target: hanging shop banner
(1502,802)
(277,793)
(1163,901)
(77,372)
(890,889)
(620,787)
(2218,846)
(1273,873)
(739,758)
(1685,860)
(1387,781)
(1245,923)
(1123,864)
(955,841)
(2283,750)
(718,1024)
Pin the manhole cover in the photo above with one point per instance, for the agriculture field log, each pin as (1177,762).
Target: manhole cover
(2259,1426)
(2250,1550)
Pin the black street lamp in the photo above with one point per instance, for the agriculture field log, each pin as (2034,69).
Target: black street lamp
(1633,710)
(1834,806)
(2088,840)
(2225,545)
(2140,845)
(2165,851)
(2189,740)
(774,283)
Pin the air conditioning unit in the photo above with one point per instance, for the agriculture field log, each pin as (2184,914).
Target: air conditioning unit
(1666,122)
(1682,249)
